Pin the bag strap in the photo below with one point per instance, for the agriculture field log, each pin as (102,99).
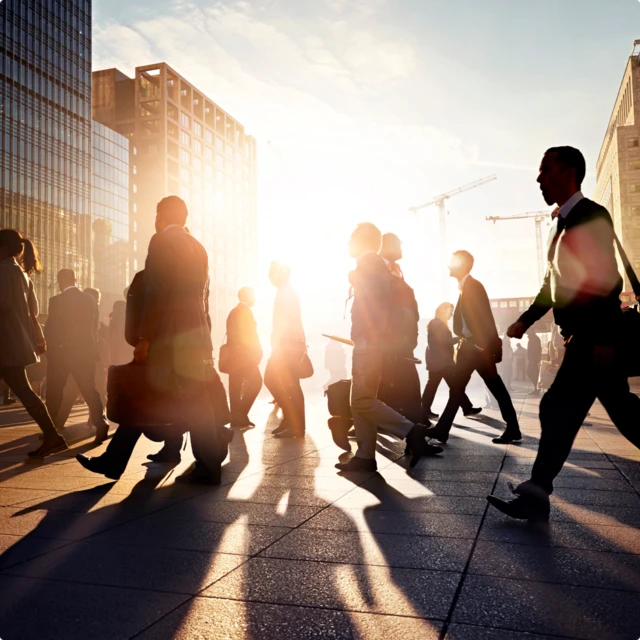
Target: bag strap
(631,274)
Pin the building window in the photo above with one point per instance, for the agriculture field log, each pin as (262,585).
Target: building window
(185,138)
(185,120)
(635,188)
(208,136)
(172,111)
(197,147)
(634,142)
(197,129)
(185,156)
(634,165)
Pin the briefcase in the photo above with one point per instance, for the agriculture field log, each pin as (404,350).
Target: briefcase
(339,399)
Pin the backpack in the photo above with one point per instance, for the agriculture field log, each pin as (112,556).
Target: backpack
(403,315)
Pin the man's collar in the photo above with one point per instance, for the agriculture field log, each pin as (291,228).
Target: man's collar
(462,281)
(172,226)
(566,208)
(73,286)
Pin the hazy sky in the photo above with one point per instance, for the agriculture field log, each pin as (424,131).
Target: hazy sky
(377,105)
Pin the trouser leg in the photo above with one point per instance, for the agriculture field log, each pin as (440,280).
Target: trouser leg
(465,403)
(562,411)
(430,389)
(84,375)
(16,380)
(200,418)
(173,445)
(272,379)
(120,448)
(57,375)
(236,381)
(252,386)
(489,373)
(292,400)
(368,411)
(458,382)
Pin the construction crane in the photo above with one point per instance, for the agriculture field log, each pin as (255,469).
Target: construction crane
(538,217)
(439,202)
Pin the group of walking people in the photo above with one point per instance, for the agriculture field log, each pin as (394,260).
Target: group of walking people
(171,339)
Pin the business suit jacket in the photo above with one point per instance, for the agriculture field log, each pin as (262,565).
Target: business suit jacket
(242,330)
(175,309)
(439,346)
(17,328)
(582,284)
(474,307)
(71,329)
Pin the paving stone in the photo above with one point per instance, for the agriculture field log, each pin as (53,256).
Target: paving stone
(211,537)
(11,497)
(219,619)
(394,501)
(16,549)
(419,487)
(415,523)
(139,567)
(413,552)
(45,610)
(410,592)
(564,610)
(469,632)
(561,566)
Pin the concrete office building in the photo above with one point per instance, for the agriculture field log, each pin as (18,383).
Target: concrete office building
(45,132)
(110,214)
(618,167)
(182,143)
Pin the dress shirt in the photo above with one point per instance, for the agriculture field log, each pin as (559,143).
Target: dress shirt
(465,329)
(565,209)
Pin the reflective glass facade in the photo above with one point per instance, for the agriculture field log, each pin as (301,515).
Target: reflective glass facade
(45,132)
(110,213)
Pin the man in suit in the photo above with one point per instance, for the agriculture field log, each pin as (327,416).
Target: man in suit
(71,334)
(288,345)
(479,349)
(371,284)
(174,343)
(245,380)
(582,286)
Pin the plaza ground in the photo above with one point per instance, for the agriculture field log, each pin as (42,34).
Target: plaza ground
(288,549)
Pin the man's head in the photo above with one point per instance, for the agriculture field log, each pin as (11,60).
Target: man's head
(562,171)
(366,237)
(247,296)
(171,210)
(279,274)
(66,278)
(461,264)
(391,247)
(94,293)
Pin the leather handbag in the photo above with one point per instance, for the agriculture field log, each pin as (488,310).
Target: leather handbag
(305,366)
(630,329)
(226,358)
(339,399)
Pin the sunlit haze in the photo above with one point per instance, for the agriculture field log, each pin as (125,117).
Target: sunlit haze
(362,109)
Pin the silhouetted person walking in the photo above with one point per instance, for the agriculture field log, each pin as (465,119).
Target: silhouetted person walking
(520,363)
(582,286)
(21,338)
(400,383)
(174,344)
(440,362)
(245,380)
(71,333)
(480,349)
(371,284)
(287,348)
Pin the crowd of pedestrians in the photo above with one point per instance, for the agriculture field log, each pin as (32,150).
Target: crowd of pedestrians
(164,382)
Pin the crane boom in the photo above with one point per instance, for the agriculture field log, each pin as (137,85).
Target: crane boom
(440,200)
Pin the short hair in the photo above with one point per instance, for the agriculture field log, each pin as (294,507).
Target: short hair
(244,292)
(66,275)
(466,258)
(173,210)
(571,158)
(369,235)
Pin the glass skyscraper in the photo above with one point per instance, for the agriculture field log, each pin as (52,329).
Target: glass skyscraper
(45,132)
(110,214)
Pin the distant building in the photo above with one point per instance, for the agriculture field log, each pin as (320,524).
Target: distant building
(45,132)
(618,167)
(182,143)
(110,214)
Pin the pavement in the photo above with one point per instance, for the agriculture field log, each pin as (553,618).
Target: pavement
(289,549)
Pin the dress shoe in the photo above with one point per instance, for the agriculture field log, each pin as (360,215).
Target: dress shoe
(279,429)
(165,456)
(49,446)
(434,433)
(474,411)
(340,432)
(358,465)
(508,437)
(288,433)
(531,503)
(102,432)
(195,477)
(97,465)
(417,443)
